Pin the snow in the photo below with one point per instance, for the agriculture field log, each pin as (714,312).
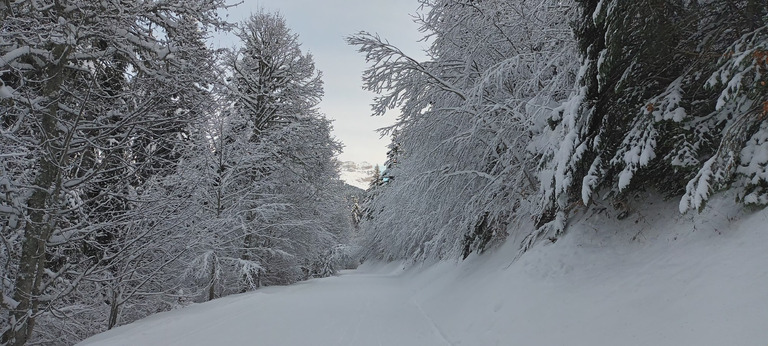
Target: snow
(667,105)
(697,190)
(357,174)
(656,278)
(591,180)
(754,156)
(733,87)
(6,92)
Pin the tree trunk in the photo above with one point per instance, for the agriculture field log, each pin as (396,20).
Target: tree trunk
(37,231)
(246,256)
(212,284)
(114,311)
(39,226)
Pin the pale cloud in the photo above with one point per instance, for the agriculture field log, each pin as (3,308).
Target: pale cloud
(322,27)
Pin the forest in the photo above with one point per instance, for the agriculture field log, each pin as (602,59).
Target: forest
(528,112)
(142,170)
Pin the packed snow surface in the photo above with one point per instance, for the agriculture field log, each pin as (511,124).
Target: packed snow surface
(656,278)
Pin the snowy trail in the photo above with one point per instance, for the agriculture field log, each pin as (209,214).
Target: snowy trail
(694,280)
(355,308)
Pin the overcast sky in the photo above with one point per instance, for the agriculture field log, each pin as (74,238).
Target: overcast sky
(322,26)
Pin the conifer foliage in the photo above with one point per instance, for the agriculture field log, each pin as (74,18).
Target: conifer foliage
(647,111)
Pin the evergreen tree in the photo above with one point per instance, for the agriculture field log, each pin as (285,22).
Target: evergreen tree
(376,179)
(646,113)
(736,121)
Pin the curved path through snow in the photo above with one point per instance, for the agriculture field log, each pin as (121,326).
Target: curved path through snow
(657,278)
(351,309)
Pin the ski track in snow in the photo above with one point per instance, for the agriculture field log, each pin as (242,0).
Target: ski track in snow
(694,280)
(435,328)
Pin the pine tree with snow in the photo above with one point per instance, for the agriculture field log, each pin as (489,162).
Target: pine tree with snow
(646,114)
(376,178)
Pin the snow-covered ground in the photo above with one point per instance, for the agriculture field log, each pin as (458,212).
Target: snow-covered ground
(656,278)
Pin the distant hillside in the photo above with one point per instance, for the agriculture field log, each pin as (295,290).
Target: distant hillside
(357,174)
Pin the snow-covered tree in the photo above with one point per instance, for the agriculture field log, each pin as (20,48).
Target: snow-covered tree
(274,80)
(75,102)
(263,177)
(656,104)
(136,179)
(276,89)
(736,124)
(465,149)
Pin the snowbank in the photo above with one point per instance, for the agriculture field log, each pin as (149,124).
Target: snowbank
(657,278)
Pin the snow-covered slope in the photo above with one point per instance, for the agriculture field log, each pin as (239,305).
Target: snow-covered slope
(357,174)
(656,278)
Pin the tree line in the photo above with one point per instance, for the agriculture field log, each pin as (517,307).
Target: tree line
(527,112)
(141,170)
